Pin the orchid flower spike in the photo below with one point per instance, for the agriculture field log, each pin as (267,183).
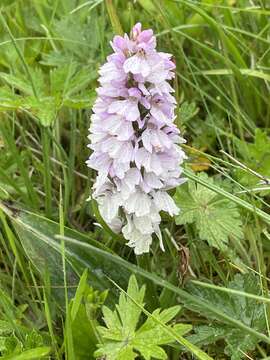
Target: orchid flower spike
(134,141)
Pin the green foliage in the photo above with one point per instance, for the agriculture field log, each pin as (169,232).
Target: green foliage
(38,238)
(123,338)
(65,88)
(84,313)
(33,344)
(257,158)
(187,111)
(50,53)
(215,218)
(249,311)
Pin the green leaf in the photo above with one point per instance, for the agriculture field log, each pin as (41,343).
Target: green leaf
(44,109)
(247,310)
(79,295)
(60,77)
(38,237)
(187,111)
(8,100)
(102,264)
(81,101)
(84,338)
(32,354)
(18,82)
(33,340)
(5,327)
(69,80)
(80,80)
(122,337)
(215,218)
(85,308)
(228,195)
(23,84)
(257,158)
(208,334)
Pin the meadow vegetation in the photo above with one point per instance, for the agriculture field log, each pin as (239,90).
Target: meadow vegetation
(69,286)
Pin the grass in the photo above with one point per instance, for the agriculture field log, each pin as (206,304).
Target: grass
(216,263)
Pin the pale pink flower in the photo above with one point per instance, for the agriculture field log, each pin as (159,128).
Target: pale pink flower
(135,143)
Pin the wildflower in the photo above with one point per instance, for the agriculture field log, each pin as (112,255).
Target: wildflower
(135,143)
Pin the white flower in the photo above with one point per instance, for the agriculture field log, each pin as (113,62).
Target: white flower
(164,202)
(138,203)
(140,242)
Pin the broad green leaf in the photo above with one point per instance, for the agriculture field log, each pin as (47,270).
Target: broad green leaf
(70,79)
(215,218)
(208,334)
(82,101)
(38,237)
(80,80)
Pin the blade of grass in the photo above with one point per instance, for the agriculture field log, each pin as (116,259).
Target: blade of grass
(69,346)
(114,18)
(47,170)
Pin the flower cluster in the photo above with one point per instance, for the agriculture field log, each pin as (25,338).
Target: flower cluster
(135,143)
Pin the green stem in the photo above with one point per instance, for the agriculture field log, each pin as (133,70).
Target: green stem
(47,171)
(143,262)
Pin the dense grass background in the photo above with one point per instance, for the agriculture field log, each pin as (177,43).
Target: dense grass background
(217,257)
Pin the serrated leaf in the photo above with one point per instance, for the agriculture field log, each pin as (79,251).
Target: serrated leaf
(215,218)
(187,111)
(80,80)
(44,109)
(9,100)
(60,77)
(32,340)
(129,312)
(22,83)
(18,82)
(121,333)
(69,79)
(257,158)
(81,101)
(5,327)
(249,311)
(32,354)
(208,334)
